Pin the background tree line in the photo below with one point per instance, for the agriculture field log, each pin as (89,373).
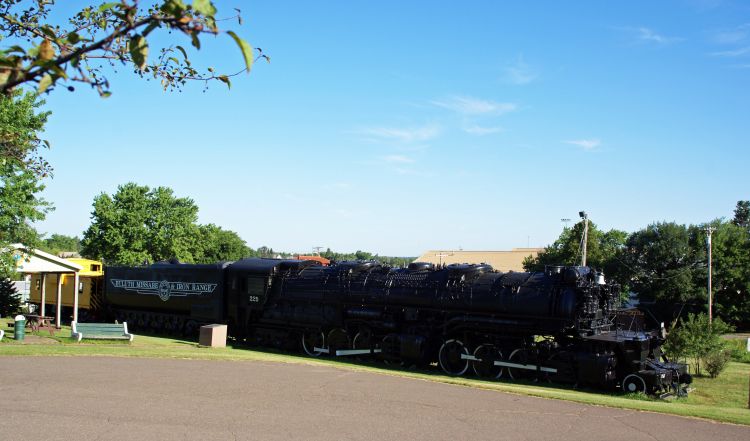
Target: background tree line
(665,264)
(140,225)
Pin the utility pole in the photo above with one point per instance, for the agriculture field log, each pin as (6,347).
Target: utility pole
(441,255)
(585,239)
(709,232)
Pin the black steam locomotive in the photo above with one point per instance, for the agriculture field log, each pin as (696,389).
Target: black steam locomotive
(558,325)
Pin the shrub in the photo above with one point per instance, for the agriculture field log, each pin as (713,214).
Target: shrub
(716,361)
(695,338)
(9,302)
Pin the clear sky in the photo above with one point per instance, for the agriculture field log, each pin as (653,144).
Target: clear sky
(396,127)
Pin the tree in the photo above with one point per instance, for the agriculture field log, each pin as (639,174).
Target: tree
(215,244)
(603,251)
(742,214)
(730,244)
(171,224)
(47,52)
(664,262)
(138,224)
(20,175)
(9,301)
(58,243)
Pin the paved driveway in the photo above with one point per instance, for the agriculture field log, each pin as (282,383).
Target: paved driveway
(101,398)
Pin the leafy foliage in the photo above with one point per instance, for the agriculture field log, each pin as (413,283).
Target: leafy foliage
(716,361)
(664,261)
(665,264)
(58,243)
(20,184)
(139,224)
(696,339)
(603,251)
(730,272)
(46,54)
(364,255)
(9,301)
(742,214)
(19,127)
(215,244)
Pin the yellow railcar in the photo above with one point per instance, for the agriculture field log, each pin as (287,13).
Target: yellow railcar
(89,287)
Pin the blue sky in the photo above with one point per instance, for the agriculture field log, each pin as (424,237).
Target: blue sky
(396,127)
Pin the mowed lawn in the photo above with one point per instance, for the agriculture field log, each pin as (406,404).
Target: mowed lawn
(722,399)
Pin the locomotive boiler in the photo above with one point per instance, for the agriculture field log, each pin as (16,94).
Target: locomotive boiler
(558,325)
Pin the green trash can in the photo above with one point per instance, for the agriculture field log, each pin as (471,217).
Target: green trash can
(19,329)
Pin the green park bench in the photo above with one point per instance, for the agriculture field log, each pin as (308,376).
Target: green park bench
(108,331)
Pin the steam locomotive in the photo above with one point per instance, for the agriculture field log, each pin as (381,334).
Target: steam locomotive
(558,325)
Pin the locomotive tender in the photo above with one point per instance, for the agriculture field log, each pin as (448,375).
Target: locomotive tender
(558,325)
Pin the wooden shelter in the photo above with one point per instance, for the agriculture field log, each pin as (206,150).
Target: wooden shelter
(40,264)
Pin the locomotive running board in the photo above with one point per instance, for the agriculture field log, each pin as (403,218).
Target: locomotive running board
(531,367)
(358,351)
(342,352)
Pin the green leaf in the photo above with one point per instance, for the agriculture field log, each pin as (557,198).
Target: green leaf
(204,7)
(225,79)
(73,38)
(182,49)
(247,50)
(107,6)
(196,40)
(44,83)
(138,50)
(173,7)
(48,31)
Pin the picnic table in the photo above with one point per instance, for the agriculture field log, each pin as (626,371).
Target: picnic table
(37,322)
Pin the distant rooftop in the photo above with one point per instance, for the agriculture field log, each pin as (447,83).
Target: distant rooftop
(500,260)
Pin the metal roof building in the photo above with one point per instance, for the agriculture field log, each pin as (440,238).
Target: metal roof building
(500,260)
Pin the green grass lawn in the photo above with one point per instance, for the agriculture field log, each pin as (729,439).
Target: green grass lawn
(722,399)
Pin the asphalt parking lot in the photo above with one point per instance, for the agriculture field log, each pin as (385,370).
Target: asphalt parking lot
(104,398)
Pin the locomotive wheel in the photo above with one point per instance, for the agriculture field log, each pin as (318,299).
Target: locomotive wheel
(519,356)
(633,384)
(337,339)
(485,366)
(362,340)
(450,359)
(391,351)
(312,340)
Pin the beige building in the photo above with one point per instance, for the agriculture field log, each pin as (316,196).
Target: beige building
(500,260)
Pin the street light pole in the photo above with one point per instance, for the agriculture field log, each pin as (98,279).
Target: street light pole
(585,239)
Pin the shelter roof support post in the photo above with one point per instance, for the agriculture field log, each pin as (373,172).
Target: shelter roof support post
(44,294)
(75,297)
(59,300)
